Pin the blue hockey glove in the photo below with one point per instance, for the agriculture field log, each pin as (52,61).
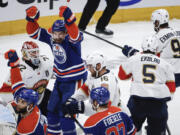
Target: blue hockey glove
(66,12)
(128,51)
(11,55)
(32,14)
(73,106)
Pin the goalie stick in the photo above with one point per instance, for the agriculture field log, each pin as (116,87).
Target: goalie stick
(109,42)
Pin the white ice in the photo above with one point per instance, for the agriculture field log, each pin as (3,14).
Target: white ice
(130,33)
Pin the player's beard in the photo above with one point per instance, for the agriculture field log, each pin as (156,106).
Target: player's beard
(21,110)
(58,40)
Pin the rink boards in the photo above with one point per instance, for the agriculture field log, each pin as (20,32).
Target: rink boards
(12,18)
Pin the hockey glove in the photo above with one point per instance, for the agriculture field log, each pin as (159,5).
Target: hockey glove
(66,12)
(32,14)
(11,55)
(73,106)
(128,51)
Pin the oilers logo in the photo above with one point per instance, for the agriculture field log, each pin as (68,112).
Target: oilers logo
(59,54)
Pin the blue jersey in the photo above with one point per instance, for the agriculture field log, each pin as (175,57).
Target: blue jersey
(68,64)
(109,122)
(34,123)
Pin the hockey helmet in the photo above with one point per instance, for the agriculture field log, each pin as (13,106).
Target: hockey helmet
(58,25)
(159,17)
(100,94)
(150,43)
(28,95)
(95,58)
(30,52)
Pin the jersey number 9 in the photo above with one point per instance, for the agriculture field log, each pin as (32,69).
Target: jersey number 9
(175,45)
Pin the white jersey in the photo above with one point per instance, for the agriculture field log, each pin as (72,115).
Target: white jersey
(169,46)
(36,79)
(107,80)
(150,74)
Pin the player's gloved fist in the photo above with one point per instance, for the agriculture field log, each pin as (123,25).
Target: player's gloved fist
(66,12)
(11,55)
(32,14)
(73,106)
(128,51)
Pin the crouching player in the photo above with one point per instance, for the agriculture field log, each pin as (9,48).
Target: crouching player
(30,121)
(108,119)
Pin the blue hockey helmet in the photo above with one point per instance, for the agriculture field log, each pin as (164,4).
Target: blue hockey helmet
(100,94)
(29,95)
(58,25)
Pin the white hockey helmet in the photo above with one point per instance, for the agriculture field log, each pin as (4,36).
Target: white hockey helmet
(150,43)
(95,58)
(30,52)
(160,16)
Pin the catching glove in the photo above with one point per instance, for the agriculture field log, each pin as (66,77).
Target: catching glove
(128,51)
(66,12)
(32,14)
(73,106)
(11,55)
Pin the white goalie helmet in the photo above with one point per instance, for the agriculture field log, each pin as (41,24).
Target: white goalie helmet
(95,58)
(30,52)
(150,43)
(161,16)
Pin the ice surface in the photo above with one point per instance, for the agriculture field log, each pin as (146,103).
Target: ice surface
(130,33)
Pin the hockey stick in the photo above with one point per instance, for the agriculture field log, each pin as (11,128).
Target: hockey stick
(88,33)
(78,123)
(168,130)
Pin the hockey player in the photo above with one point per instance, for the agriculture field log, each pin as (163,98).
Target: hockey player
(152,86)
(69,68)
(30,121)
(36,71)
(98,76)
(108,119)
(168,41)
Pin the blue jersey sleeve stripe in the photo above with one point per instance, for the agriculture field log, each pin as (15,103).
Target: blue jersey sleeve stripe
(18,84)
(35,34)
(70,68)
(78,39)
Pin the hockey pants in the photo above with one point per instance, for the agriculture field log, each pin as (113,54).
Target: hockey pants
(56,121)
(154,111)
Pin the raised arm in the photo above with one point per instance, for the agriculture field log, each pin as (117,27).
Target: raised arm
(16,79)
(70,25)
(33,29)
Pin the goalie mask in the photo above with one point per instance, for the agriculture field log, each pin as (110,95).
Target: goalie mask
(30,52)
(159,17)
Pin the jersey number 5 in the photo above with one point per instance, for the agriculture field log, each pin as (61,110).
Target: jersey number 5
(148,76)
(116,129)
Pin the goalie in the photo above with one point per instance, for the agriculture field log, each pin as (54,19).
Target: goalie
(36,71)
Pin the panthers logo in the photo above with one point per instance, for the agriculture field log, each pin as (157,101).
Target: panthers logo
(40,86)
